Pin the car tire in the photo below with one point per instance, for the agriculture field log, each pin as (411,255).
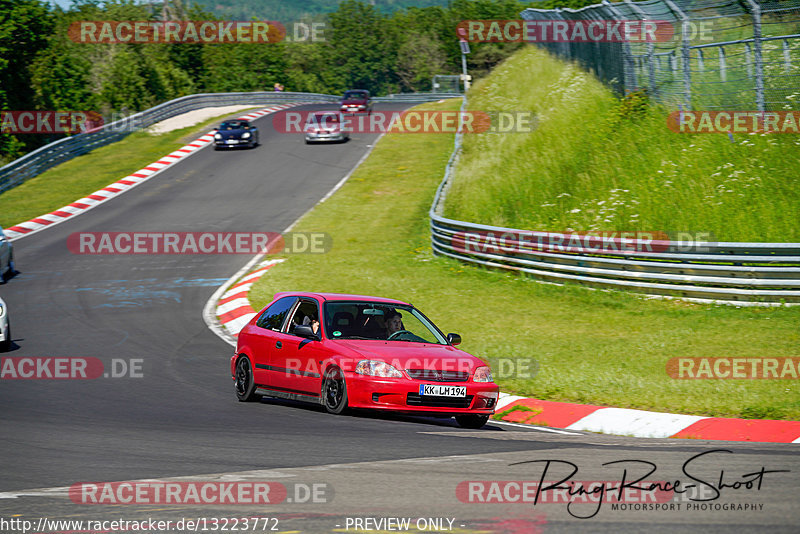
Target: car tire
(245,384)
(334,392)
(471,420)
(5,345)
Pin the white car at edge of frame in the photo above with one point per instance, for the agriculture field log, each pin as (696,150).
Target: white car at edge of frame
(6,257)
(5,328)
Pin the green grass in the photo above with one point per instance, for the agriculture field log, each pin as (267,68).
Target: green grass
(591,346)
(594,164)
(85,174)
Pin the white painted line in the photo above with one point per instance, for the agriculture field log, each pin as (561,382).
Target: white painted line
(535,427)
(639,423)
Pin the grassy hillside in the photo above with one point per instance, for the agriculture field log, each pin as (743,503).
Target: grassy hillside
(597,164)
(588,346)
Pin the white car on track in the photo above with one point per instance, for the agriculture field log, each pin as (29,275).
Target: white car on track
(5,328)
(6,258)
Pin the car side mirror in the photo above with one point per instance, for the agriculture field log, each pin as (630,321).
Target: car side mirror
(304,330)
(454,339)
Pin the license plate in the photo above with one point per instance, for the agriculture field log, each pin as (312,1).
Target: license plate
(232,141)
(438,390)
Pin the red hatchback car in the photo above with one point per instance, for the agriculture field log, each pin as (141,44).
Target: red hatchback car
(356,101)
(352,351)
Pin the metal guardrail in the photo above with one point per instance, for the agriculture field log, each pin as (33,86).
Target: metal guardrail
(742,273)
(416,97)
(67,148)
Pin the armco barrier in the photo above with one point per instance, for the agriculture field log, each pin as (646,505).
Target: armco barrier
(743,273)
(67,148)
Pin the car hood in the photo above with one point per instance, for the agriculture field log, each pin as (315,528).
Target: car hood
(407,355)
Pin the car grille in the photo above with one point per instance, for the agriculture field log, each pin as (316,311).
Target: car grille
(438,402)
(432,375)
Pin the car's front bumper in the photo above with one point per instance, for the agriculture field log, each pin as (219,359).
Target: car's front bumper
(232,143)
(402,395)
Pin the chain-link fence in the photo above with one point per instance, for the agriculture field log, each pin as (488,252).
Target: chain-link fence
(723,54)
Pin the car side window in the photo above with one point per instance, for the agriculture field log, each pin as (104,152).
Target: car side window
(274,316)
(306,312)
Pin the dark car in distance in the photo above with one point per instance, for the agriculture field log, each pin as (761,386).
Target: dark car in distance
(236,133)
(356,101)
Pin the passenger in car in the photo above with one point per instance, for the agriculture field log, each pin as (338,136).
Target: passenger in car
(313,322)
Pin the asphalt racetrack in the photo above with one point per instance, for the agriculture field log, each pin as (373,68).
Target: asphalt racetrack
(178,418)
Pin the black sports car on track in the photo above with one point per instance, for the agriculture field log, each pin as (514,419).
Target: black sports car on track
(236,133)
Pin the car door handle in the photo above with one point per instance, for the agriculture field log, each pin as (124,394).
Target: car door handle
(278,345)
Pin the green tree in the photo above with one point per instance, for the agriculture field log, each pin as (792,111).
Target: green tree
(24,27)
(419,58)
(362,47)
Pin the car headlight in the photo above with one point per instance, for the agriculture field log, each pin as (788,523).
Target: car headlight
(376,368)
(217,136)
(362,107)
(482,374)
(245,135)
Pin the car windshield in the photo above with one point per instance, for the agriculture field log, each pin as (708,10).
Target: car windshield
(234,125)
(355,95)
(373,320)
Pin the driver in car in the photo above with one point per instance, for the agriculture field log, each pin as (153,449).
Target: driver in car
(394,323)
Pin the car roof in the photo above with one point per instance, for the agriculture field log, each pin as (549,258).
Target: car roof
(337,297)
